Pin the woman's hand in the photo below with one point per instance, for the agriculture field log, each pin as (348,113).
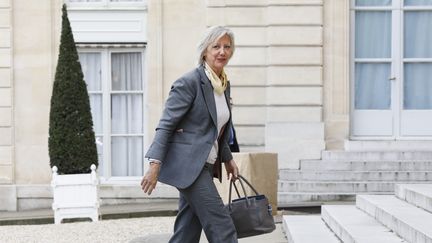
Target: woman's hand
(149,181)
(231,168)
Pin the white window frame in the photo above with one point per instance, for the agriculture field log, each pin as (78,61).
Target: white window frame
(353,61)
(106,135)
(397,64)
(106,4)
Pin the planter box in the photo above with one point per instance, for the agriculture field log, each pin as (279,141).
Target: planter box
(75,195)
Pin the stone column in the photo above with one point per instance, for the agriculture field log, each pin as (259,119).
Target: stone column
(7,189)
(336,72)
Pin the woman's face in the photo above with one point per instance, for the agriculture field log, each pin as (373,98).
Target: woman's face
(218,54)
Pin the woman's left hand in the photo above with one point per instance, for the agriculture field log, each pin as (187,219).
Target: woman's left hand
(231,168)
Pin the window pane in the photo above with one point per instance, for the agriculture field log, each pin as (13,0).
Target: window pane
(373,2)
(127,156)
(372,86)
(373,34)
(418,2)
(99,147)
(126,71)
(126,113)
(418,34)
(91,67)
(96,110)
(418,86)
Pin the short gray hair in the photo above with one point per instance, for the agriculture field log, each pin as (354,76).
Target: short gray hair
(213,34)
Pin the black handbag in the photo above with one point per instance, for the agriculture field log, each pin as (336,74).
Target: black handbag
(252,215)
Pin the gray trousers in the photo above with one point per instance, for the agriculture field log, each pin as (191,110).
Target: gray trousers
(201,208)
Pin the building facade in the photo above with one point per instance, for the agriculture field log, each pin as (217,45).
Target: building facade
(307,76)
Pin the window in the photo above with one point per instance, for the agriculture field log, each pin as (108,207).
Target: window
(392,42)
(115,83)
(392,68)
(372,54)
(105,3)
(417,55)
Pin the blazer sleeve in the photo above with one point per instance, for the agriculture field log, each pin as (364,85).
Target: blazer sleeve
(226,154)
(177,105)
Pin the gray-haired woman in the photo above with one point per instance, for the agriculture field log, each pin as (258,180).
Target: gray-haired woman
(191,141)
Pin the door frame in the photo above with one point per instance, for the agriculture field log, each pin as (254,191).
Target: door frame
(396,78)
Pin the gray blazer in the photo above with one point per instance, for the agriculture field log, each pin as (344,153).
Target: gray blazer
(188,129)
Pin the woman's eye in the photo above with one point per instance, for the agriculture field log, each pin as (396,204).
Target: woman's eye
(216,47)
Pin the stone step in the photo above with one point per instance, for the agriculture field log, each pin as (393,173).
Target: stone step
(309,199)
(351,225)
(298,229)
(419,195)
(376,155)
(390,145)
(373,165)
(355,175)
(337,186)
(408,221)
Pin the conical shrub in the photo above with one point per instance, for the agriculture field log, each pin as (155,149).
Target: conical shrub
(71,140)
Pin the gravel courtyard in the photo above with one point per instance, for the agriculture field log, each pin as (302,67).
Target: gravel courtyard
(133,230)
(116,230)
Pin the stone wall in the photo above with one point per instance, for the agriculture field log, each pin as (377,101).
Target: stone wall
(276,75)
(28,54)
(280,75)
(36,44)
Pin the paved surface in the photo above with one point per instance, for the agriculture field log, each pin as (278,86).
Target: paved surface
(136,230)
(276,236)
(121,223)
(157,207)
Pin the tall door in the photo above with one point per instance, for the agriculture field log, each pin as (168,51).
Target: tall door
(391,69)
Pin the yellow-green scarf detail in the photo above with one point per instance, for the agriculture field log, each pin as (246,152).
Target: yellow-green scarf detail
(219,83)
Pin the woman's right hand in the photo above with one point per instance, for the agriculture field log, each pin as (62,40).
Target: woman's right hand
(149,181)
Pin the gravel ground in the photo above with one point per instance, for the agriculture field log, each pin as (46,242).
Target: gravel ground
(118,230)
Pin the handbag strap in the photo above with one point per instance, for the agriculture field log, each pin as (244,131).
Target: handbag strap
(249,184)
(238,194)
(240,179)
(237,191)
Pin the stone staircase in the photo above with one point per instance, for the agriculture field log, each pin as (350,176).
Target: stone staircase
(405,216)
(341,175)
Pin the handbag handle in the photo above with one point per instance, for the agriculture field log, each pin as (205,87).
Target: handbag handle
(240,179)
(249,184)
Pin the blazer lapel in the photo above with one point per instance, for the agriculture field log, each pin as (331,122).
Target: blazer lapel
(208,95)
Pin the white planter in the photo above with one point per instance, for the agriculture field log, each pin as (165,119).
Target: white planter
(75,195)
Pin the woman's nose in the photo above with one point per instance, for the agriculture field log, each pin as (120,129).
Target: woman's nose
(222,51)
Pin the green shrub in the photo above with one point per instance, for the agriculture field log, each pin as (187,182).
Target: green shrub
(71,142)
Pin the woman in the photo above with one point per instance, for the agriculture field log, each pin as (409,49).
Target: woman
(191,141)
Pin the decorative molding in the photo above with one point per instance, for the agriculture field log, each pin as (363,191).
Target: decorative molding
(109,26)
(261,3)
(111,45)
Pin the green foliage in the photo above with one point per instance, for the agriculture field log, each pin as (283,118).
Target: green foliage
(71,142)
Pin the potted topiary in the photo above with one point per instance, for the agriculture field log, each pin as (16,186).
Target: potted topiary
(72,148)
